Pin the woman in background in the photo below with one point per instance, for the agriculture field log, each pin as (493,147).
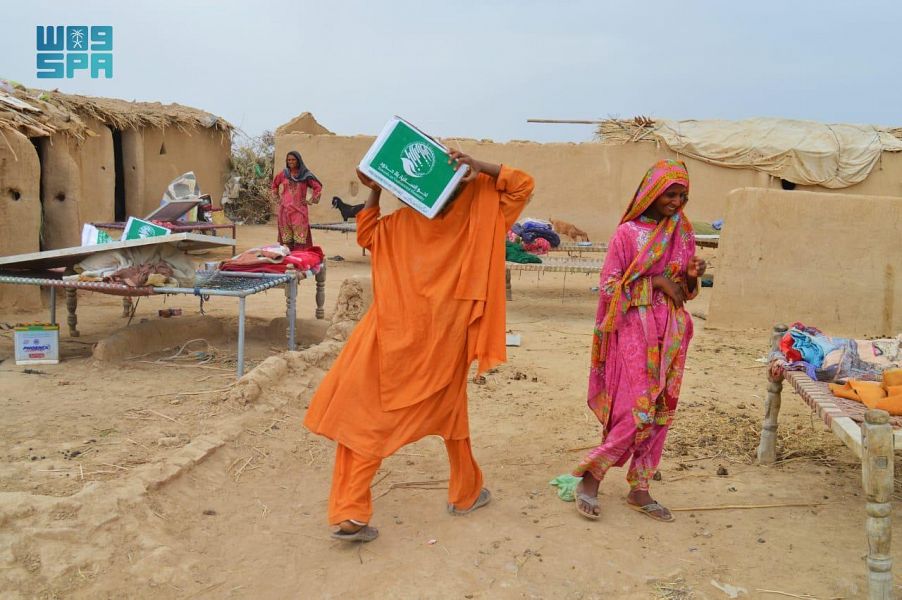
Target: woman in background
(290,188)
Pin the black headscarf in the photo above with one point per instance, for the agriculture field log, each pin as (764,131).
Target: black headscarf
(303,172)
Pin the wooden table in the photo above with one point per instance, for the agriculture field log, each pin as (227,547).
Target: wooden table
(870,434)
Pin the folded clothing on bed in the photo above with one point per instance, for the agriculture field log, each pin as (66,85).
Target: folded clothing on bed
(275,259)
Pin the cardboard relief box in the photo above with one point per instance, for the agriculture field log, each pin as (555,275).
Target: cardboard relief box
(37,344)
(412,166)
(139,229)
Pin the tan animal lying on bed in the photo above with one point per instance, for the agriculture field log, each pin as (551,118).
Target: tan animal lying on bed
(572,231)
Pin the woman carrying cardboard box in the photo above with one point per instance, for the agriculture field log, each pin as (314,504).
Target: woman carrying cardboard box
(438,305)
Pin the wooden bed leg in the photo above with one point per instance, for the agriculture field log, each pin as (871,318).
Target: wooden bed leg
(126,307)
(508,294)
(877,476)
(72,307)
(321,293)
(767,447)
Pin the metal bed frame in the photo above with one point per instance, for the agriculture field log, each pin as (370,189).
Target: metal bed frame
(209,283)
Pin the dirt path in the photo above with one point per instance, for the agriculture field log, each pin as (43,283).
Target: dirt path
(112,485)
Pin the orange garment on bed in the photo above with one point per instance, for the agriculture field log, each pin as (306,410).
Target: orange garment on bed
(438,305)
(872,394)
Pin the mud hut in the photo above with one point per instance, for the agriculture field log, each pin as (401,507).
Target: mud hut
(66,160)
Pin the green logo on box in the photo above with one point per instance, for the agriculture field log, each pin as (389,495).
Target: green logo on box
(138,229)
(418,159)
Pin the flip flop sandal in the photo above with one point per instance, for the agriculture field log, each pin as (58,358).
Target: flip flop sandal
(364,534)
(652,510)
(485,496)
(593,502)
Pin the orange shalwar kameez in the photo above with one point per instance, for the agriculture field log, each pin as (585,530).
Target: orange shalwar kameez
(438,305)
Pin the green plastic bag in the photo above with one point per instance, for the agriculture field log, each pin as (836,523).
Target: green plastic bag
(566,486)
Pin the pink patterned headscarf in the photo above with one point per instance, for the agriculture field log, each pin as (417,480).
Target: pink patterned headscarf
(658,178)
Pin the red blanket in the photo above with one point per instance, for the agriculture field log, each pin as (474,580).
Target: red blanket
(303,260)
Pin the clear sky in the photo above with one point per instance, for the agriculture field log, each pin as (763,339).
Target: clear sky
(481,68)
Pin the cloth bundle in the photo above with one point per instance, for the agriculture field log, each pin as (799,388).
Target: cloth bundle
(275,259)
(514,252)
(156,266)
(826,358)
(539,246)
(531,229)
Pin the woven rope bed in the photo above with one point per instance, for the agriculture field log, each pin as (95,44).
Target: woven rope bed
(870,434)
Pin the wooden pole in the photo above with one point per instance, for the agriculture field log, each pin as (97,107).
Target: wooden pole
(877,476)
(321,292)
(566,121)
(72,309)
(767,447)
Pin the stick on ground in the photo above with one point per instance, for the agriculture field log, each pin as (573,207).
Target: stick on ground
(746,506)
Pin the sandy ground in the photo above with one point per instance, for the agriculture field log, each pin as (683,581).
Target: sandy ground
(139,479)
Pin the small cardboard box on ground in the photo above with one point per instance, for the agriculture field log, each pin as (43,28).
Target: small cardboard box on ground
(412,166)
(37,344)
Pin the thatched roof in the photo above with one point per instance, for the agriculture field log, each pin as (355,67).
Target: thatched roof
(37,113)
(622,131)
(640,129)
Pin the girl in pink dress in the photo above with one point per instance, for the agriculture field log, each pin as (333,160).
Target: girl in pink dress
(642,331)
(290,189)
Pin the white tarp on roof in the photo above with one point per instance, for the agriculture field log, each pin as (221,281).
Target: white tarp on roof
(803,152)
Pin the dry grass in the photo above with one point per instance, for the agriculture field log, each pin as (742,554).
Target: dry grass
(252,161)
(706,430)
(122,114)
(673,590)
(624,131)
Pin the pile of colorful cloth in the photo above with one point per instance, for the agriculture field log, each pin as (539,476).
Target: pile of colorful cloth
(531,230)
(826,358)
(532,237)
(514,252)
(275,259)
(539,246)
